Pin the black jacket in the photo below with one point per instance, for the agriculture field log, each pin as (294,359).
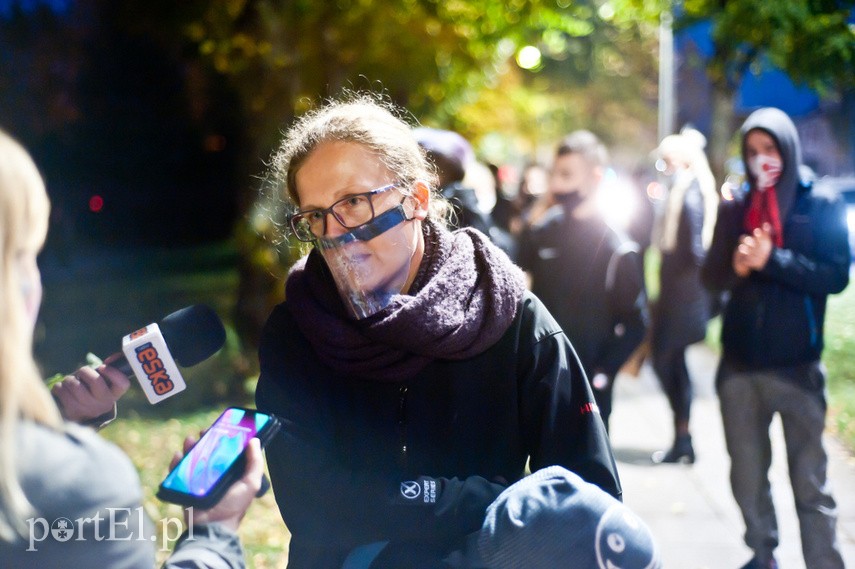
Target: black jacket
(774,318)
(467,214)
(591,279)
(683,308)
(349,449)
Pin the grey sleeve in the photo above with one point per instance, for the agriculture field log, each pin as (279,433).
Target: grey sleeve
(207,547)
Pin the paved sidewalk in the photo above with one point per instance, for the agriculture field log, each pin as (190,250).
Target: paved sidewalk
(690,508)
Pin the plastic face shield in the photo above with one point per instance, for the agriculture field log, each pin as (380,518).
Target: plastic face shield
(370,264)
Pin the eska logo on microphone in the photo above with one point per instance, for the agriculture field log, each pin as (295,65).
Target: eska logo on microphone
(154,369)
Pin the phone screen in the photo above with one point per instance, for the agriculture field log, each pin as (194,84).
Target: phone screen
(220,446)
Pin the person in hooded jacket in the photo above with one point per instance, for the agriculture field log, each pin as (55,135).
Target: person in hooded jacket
(779,251)
(414,375)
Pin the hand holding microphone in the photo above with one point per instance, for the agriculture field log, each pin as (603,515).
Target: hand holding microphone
(185,337)
(91,392)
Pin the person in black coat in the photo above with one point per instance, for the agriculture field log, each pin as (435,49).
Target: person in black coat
(415,376)
(683,308)
(586,273)
(780,251)
(454,161)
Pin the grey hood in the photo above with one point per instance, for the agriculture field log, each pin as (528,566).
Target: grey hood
(777,124)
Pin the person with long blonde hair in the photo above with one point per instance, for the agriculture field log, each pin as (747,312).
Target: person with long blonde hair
(67,497)
(23,228)
(684,306)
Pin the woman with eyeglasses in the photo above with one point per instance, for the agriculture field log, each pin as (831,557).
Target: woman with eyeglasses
(414,374)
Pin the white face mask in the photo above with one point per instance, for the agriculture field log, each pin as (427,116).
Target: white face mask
(766,169)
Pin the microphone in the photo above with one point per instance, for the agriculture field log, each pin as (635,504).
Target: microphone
(186,337)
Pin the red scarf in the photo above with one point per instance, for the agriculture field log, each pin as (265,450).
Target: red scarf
(764,209)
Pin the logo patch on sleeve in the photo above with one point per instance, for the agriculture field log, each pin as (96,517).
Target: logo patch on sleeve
(421,491)
(411,489)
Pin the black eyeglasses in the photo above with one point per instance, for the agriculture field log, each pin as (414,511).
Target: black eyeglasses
(350,211)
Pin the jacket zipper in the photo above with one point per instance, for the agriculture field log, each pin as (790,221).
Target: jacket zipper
(814,333)
(402,426)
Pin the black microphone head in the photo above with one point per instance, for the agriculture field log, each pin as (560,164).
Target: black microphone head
(193,334)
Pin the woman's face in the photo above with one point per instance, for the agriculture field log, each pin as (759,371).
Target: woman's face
(535,181)
(335,170)
(30,281)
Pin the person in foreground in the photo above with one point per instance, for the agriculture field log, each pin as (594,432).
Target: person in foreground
(67,497)
(779,250)
(413,373)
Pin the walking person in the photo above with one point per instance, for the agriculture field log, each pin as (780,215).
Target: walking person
(683,308)
(415,375)
(780,251)
(588,275)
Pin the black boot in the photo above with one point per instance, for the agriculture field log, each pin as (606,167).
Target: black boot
(682,452)
(761,563)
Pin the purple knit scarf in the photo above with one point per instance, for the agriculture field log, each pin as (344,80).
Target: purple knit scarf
(464,297)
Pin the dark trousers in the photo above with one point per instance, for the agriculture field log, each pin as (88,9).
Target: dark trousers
(670,368)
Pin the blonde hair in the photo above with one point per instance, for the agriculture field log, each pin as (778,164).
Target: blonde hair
(360,118)
(24,209)
(688,148)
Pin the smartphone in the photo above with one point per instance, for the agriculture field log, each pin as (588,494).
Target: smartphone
(217,460)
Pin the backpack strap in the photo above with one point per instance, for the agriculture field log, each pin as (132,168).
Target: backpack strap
(625,247)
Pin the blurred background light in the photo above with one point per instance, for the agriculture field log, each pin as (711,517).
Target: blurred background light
(96,203)
(529,57)
(617,200)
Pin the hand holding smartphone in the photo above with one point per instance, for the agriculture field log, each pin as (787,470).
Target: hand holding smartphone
(217,460)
